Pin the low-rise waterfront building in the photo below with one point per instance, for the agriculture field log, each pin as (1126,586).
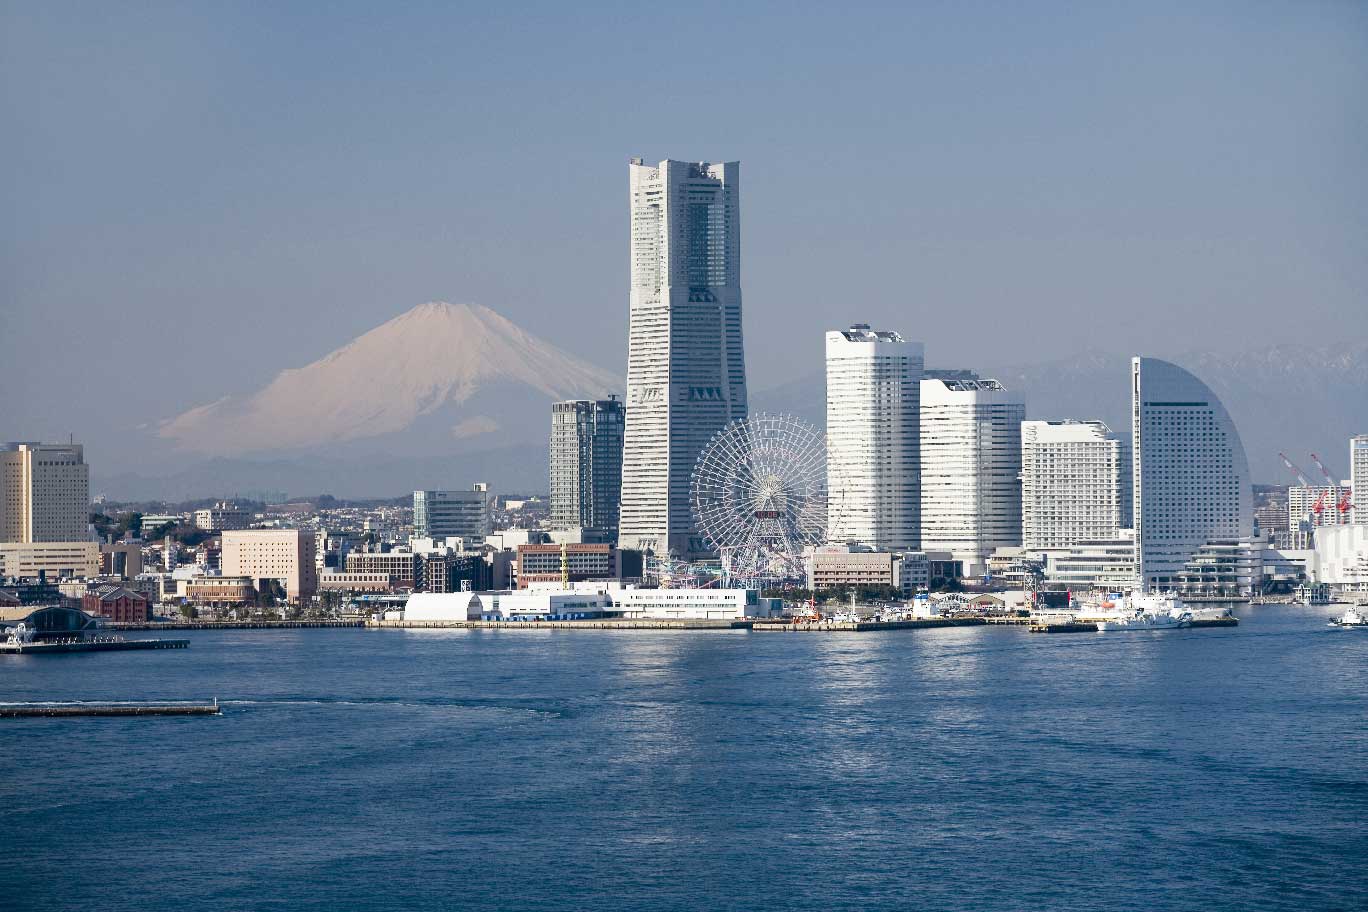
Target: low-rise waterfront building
(356,582)
(220,591)
(117,603)
(692,604)
(1341,556)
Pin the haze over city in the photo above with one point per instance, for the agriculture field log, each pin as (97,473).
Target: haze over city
(203,197)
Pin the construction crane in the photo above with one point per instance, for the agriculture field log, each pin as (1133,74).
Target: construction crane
(1345,505)
(1300,475)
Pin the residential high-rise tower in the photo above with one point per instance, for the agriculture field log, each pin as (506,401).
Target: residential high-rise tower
(1075,483)
(686,373)
(971,463)
(873,402)
(586,464)
(1358,477)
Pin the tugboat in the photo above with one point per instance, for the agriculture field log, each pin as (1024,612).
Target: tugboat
(1352,617)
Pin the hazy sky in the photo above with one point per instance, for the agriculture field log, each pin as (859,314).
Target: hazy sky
(197,195)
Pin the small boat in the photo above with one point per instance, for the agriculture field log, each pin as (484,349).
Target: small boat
(1352,617)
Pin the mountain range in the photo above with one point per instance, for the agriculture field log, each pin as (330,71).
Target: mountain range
(1295,398)
(447,394)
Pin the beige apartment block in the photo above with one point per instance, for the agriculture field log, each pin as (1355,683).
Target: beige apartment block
(44,492)
(285,555)
(57,559)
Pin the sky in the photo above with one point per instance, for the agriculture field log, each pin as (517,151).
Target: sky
(196,196)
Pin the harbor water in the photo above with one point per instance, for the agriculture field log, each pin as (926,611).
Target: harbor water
(977,768)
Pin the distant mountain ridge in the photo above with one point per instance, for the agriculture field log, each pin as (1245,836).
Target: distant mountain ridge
(445,395)
(1288,397)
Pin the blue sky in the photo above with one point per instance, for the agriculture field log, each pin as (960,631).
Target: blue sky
(199,195)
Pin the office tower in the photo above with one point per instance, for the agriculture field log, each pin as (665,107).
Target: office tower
(1189,471)
(442,514)
(1358,477)
(1075,483)
(284,556)
(971,463)
(586,464)
(873,392)
(686,374)
(44,493)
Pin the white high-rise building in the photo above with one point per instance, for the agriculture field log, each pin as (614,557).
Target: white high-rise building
(1358,477)
(1075,483)
(1190,474)
(44,493)
(686,374)
(971,467)
(873,401)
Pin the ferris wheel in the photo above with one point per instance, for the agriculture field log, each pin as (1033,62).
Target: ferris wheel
(759,495)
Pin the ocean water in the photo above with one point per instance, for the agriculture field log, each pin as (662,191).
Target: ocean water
(974,769)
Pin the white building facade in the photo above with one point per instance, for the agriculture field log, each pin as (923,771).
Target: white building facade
(1358,477)
(971,467)
(1075,483)
(1190,475)
(873,408)
(686,372)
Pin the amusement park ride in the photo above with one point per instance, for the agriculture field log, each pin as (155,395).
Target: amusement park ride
(760,497)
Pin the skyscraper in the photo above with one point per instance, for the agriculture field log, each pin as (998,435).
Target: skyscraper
(586,464)
(1190,475)
(873,393)
(44,493)
(1358,478)
(1075,483)
(686,373)
(971,463)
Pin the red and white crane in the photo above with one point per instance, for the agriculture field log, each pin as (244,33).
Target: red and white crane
(1344,505)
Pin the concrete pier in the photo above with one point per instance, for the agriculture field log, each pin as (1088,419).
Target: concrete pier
(51,710)
(44,647)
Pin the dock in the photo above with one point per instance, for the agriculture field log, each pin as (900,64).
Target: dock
(54,710)
(103,644)
(590,624)
(863,626)
(229,625)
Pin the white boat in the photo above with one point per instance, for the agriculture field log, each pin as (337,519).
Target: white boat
(1352,617)
(1149,612)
